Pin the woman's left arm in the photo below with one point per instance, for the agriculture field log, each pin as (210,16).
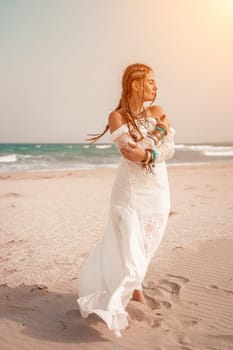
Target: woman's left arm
(165,150)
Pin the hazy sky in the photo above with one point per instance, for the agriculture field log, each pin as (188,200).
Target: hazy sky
(62,63)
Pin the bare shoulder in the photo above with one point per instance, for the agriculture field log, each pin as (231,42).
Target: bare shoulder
(156,111)
(115,120)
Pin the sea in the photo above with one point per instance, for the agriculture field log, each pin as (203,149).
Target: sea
(17,157)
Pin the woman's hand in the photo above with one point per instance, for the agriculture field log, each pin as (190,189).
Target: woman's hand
(163,120)
(133,152)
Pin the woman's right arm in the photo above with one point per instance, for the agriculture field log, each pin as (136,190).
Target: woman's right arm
(123,140)
(137,152)
(114,121)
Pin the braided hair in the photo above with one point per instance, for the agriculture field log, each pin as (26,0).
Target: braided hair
(137,71)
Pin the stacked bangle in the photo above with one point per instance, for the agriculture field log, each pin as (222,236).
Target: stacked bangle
(148,163)
(161,129)
(155,154)
(148,157)
(154,138)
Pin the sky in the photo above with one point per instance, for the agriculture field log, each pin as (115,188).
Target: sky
(62,61)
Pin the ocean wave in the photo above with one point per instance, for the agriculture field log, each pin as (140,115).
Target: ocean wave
(187,164)
(182,147)
(10,158)
(103,146)
(218,153)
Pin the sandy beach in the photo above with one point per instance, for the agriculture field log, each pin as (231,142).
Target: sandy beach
(50,221)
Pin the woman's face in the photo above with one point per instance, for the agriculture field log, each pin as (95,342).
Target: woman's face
(150,87)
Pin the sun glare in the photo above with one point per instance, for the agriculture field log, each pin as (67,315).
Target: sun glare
(222,11)
(222,6)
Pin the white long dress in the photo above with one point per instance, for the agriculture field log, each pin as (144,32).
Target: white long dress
(139,209)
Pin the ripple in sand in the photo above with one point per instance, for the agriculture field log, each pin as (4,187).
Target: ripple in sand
(179,278)
(11,194)
(227,291)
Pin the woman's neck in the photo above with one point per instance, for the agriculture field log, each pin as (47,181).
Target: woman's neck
(135,105)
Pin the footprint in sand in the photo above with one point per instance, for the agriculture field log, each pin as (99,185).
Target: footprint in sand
(173,213)
(152,302)
(136,310)
(11,243)
(10,270)
(177,247)
(64,326)
(170,287)
(143,314)
(190,321)
(156,323)
(41,287)
(8,244)
(179,278)
(166,304)
(153,287)
(73,315)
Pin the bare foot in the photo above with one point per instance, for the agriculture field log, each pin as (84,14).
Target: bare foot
(127,327)
(139,296)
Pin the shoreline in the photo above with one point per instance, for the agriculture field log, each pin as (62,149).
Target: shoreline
(43,173)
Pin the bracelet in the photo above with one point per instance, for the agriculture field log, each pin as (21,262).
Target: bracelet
(148,163)
(154,138)
(158,134)
(155,155)
(148,157)
(162,129)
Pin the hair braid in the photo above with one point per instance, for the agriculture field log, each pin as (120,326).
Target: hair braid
(133,72)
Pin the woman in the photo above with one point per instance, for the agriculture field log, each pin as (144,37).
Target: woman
(140,203)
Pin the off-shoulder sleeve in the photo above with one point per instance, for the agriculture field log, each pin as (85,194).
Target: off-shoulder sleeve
(123,129)
(121,136)
(166,149)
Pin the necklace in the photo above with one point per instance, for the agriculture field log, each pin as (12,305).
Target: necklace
(136,116)
(143,122)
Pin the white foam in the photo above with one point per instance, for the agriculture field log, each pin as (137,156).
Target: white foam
(9,158)
(226,153)
(188,164)
(182,147)
(103,146)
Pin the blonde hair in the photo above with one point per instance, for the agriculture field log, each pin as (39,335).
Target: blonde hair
(137,71)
